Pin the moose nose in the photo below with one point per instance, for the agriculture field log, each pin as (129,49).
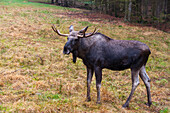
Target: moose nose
(66,50)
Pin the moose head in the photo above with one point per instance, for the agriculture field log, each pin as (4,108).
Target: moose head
(73,37)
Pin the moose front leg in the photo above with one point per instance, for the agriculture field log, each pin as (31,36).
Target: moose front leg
(98,74)
(89,79)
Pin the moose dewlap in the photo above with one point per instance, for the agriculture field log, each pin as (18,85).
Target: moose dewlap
(99,51)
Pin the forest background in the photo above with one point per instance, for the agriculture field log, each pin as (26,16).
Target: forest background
(154,13)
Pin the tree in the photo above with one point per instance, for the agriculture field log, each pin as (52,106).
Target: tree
(143,11)
(128,10)
(52,1)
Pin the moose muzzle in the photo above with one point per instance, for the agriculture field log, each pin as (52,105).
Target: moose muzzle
(66,50)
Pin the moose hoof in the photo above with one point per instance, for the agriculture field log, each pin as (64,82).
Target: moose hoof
(149,104)
(98,102)
(88,99)
(125,106)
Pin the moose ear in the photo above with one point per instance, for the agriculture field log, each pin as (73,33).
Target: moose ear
(71,28)
(83,30)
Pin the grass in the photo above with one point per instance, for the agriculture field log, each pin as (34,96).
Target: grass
(37,77)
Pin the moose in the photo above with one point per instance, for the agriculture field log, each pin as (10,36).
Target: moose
(98,51)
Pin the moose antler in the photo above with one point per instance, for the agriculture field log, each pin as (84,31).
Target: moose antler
(85,36)
(58,32)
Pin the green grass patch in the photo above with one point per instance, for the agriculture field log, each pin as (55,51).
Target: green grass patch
(165,110)
(26,2)
(45,12)
(3,50)
(162,82)
(50,96)
(2,108)
(85,23)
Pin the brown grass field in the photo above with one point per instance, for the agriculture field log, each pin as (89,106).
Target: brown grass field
(35,76)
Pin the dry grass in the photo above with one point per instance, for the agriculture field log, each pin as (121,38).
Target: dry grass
(37,77)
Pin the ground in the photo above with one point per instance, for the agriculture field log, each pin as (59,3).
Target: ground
(37,77)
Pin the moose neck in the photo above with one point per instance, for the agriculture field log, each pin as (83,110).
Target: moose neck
(84,46)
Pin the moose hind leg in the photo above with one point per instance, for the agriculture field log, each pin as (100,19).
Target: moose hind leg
(135,83)
(98,74)
(145,78)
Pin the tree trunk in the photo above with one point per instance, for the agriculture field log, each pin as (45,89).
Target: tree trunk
(115,4)
(126,10)
(52,1)
(166,10)
(56,1)
(129,10)
(105,4)
(146,8)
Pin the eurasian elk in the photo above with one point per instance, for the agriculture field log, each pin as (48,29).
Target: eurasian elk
(99,51)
